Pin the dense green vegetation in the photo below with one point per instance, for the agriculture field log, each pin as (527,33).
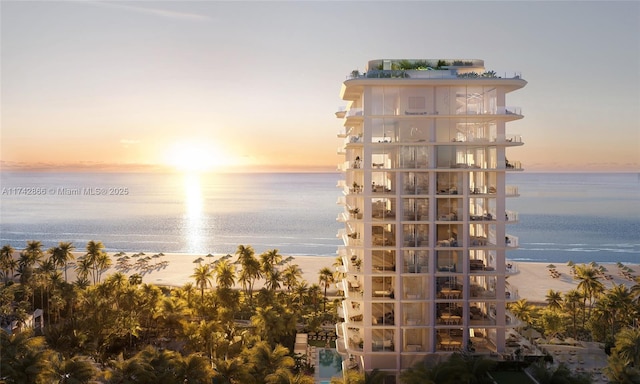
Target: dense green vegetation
(116,329)
(593,313)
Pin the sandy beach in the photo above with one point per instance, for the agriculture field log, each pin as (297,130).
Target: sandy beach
(532,280)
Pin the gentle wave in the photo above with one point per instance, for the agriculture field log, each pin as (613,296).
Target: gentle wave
(296,213)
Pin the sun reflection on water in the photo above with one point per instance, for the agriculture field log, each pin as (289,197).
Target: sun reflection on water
(193,217)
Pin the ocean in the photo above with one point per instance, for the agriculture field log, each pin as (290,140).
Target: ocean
(581,217)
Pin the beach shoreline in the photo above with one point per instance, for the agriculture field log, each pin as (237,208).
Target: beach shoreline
(531,280)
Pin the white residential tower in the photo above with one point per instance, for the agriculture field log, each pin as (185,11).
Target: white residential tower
(425,215)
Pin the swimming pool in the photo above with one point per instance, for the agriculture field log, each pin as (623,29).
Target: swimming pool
(329,365)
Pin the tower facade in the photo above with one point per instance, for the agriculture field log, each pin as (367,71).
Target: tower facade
(425,216)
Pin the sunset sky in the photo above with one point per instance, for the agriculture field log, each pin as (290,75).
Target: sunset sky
(116,85)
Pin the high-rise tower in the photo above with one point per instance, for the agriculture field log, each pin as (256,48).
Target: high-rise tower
(425,215)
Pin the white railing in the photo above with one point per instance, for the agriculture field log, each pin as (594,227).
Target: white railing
(511,241)
(432,74)
(513,139)
(516,165)
(509,110)
(511,190)
(511,216)
(353,139)
(355,112)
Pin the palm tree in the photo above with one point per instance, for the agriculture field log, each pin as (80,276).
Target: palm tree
(300,292)
(133,370)
(225,274)
(571,304)
(62,254)
(619,305)
(554,300)
(268,323)
(314,292)
(628,346)
(11,265)
(291,276)
(6,256)
(273,278)
(93,258)
(29,257)
(250,269)
(325,279)
(203,277)
(635,290)
(522,310)
(267,363)
(589,285)
(103,262)
(624,362)
(76,370)
(195,369)
(23,357)
(270,259)
(33,252)
(618,371)
(232,371)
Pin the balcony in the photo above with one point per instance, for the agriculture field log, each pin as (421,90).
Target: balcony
(352,112)
(513,165)
(511,216)
(353,140)
(511,268)
(511,191)
(355,339)
(511,241)
(513,139)
(480,292)
(509,111)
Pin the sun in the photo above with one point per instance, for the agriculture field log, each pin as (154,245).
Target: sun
(196,156)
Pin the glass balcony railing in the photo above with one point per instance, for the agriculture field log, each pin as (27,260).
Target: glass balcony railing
(515,165)
(511,216)
(354,112)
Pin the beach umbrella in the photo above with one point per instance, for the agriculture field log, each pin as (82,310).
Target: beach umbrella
(155,256)
(570,263)
(551,266)
(210,255)
(227,256)
(135,255)
(555,340)
(160,254)
(198,260)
